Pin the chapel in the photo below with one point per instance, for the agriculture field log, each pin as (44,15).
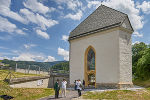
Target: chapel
(100,50)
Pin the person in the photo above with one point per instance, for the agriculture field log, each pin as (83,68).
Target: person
(57,88)
(63,91)
(75,83)
(83,83)
(79,87)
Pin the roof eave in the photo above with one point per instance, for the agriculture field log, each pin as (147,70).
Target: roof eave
(94,31)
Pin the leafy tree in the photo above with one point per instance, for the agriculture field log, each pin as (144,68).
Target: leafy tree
(141,61)
(143,65)
(137,52)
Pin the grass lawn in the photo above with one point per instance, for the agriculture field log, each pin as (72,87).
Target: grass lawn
(142,83)
(119,95)
(142,94)
(3,74)
(22,93)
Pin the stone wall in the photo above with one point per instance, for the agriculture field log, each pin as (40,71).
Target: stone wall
(38,81)
(31,71)
(41,83)
(53,79)
(125,57)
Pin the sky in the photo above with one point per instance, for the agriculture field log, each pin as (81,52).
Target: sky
(38,30)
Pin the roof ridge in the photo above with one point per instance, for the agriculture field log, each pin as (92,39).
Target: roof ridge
(113,9)
(86,18)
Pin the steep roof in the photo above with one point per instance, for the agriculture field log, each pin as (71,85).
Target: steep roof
(102,18)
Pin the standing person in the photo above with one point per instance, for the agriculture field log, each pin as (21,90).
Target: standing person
(79,87)
(83,83)
(63,92)
(75,84)
(57,88)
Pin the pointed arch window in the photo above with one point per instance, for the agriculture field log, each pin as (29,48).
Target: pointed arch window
(91,60)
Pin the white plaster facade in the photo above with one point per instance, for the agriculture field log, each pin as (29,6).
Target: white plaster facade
(113,56)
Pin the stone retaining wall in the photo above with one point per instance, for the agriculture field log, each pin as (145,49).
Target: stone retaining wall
(31,71)
(30,82)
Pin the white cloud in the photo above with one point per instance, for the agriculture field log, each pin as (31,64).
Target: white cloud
(145,6)
(39,57)
(71,4)
(36,6)
(94,4)
(38,19)
(4,57)
(65,37)
(28,57)
(25,29)
(7,26)
(126,6)
(30,16)
(24,57)
(76,16)
(33,57)
(28,46)
(75,5)
(137,34)
(136,42)
(43,34)
(50,59)
(60,7)
(46,22)
(63,53)
(6,11)
(19,31)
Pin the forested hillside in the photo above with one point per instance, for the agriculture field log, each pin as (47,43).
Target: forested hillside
(62,67)
(33,65)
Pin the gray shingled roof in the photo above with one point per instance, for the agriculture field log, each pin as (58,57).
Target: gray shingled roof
(102,18)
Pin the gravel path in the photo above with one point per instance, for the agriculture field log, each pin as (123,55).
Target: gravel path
(70,94)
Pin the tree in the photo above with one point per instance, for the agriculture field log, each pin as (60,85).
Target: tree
(137,53)
(141,61)
(143,65)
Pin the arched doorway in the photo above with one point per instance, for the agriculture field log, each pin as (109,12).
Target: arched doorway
(90,67)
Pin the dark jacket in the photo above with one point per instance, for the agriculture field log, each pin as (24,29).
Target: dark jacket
(56,86)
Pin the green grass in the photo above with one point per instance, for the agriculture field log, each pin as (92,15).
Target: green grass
(142,94)
(119,95)
(4,73)
(22,93)
(143,83)
(25,93)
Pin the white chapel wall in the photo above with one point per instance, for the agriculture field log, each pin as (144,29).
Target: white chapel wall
(106,45)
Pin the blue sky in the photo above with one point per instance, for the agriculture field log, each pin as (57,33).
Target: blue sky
(37,30)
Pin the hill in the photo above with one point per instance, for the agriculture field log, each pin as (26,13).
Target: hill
(33,65)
